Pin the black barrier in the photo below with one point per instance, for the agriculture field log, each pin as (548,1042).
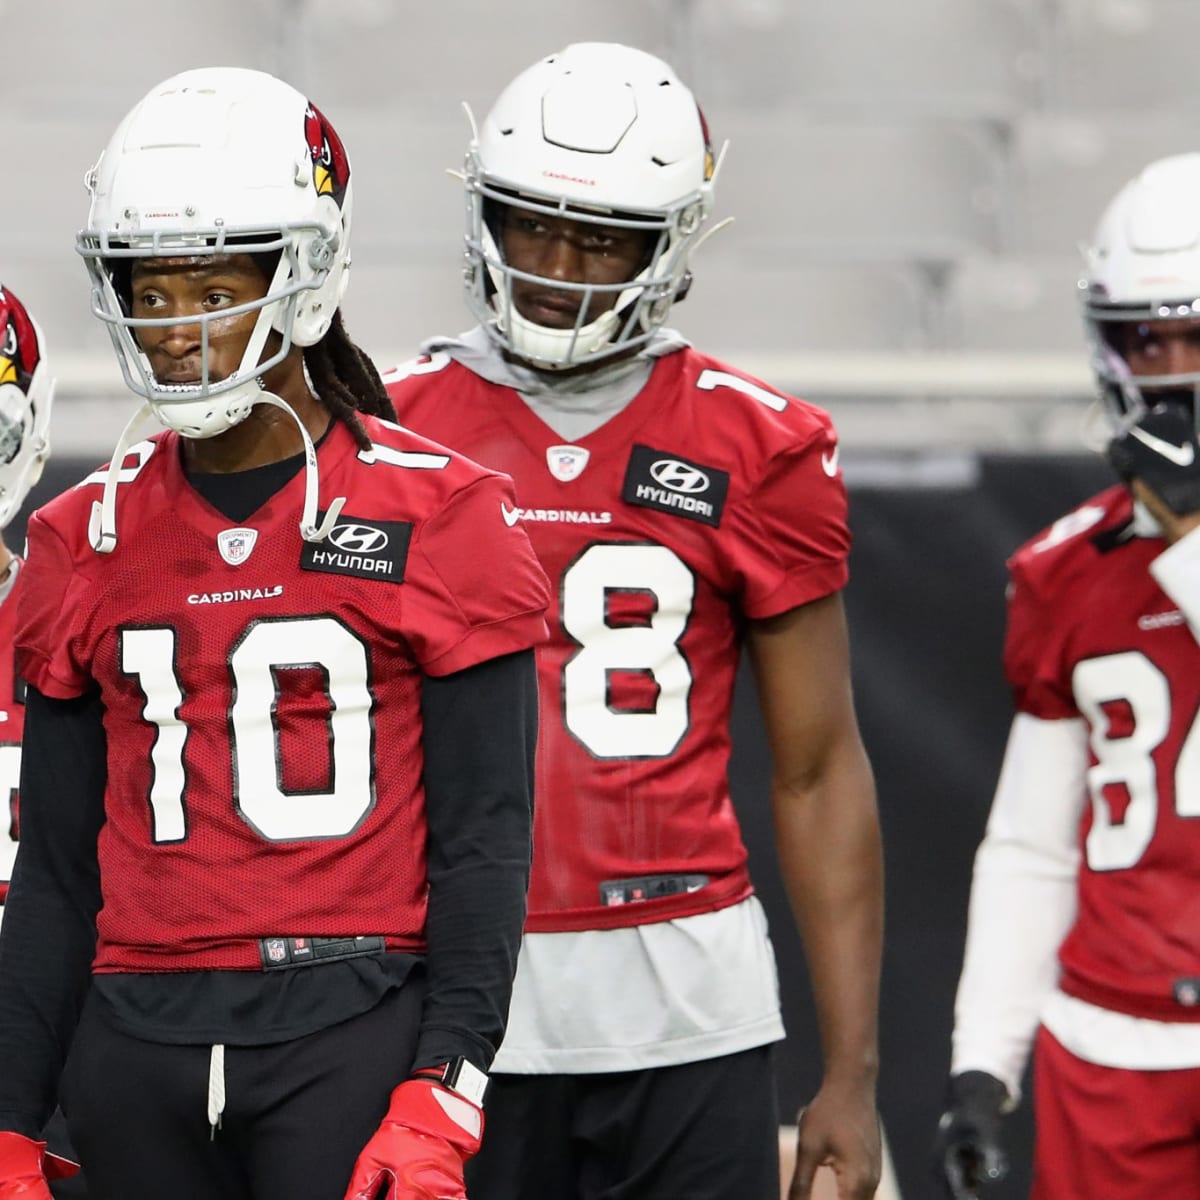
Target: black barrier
(926,609)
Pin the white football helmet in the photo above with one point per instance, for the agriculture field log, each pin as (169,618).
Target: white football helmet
(1142,266)
(600,133)
(26,394)
(213,161)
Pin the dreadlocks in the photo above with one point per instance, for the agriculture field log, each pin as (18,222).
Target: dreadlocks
(346,380)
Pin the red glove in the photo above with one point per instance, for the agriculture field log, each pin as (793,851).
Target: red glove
(25,1166)
(420,1146)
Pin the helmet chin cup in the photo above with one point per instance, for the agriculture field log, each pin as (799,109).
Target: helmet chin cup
(555,349)
(206,416)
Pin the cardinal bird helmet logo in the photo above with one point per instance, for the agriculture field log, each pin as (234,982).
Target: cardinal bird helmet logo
(330,166)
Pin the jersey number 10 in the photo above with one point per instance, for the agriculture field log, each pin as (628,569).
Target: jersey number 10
(265,648)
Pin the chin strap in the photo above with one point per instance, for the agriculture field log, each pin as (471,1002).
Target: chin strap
(102,526)
(310,531)
(709,232)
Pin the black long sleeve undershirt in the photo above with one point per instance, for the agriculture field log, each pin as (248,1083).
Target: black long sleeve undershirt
(49,931)
(480,736)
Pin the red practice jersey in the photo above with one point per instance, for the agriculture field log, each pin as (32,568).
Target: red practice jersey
(708,499)
(12,723)
(1091,634)
(262,694)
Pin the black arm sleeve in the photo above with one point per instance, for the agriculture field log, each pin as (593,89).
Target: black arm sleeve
(480,733)
(48,937)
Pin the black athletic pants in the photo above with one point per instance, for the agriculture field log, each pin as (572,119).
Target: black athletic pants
(706,1130)
(296,1113)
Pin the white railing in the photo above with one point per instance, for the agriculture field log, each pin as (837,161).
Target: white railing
(881,402)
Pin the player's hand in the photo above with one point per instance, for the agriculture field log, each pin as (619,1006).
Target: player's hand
(968,1152)
(1161,452)
(418,1151)
(25,1167)
(839,1129)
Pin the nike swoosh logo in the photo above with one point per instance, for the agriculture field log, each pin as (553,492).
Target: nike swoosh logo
(829,462)
(511,515)
(1181,456)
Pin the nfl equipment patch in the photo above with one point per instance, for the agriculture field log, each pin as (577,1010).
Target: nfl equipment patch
(567,462)
(675,485)
(235,544)
(362,547)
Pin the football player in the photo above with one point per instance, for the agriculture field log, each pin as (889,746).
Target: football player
(281,708)
(682,509)
(26,398)
(1083,939)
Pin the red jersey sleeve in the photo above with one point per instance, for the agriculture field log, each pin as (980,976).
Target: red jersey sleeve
(1033,651)
(50,652)
(790,534)
(477,590)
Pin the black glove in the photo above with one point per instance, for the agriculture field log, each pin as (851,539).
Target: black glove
(1161,450)
(967,1149)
